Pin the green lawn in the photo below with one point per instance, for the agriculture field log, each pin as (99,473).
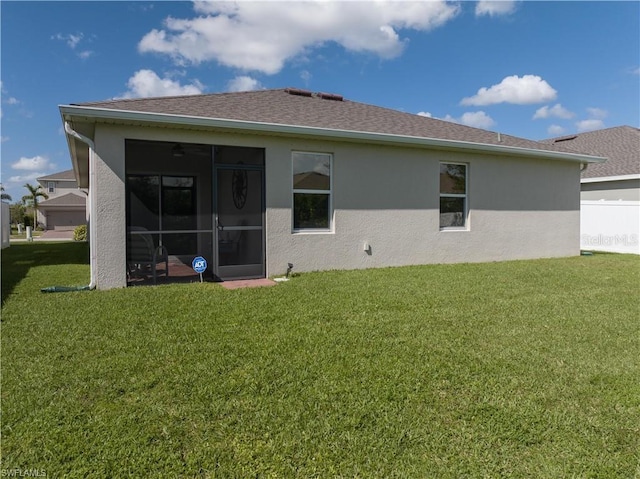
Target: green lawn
(14,234)
(514,369)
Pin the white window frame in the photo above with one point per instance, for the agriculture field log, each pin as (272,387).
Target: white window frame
(456,195)
(51,186)
(328,192)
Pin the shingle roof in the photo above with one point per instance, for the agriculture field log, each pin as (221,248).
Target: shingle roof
(282,107)
(621,145)
(66,175)
(70,199)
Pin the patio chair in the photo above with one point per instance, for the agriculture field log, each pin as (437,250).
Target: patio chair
(144,256)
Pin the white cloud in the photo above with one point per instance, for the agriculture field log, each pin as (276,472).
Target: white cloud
(425,113)
(306,76)
(21,179)
(555,130)
(73,41)
(477,119)
(495,7)
(523,90)
(262,36)
(243,83)
(589,125)
(70,39)
(556,110)
(9,101)
(4,138)
(594,122)
(31,164)
(598,113)
(146,83)
(85,54)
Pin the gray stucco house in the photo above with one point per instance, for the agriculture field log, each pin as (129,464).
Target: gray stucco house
(253,181)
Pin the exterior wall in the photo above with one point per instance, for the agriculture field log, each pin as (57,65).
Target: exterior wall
(389,198)
(612,226)
(620,190)
(110,213)
(385,196)
(61,188)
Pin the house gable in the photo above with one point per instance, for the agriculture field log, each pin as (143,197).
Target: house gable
(60,184)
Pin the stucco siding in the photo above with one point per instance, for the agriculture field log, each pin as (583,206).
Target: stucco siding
(385,196)
(389,198)
(110,208)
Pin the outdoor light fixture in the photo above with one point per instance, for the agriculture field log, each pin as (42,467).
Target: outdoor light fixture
(289,268)
(177,150)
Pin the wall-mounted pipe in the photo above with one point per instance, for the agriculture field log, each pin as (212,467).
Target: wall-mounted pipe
(92,199)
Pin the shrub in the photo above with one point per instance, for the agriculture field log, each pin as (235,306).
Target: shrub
(80,233)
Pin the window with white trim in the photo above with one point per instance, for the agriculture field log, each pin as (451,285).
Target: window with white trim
(453,196)
(312,206)
(51,186)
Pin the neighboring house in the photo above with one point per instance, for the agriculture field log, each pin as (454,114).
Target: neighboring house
(254,181)
(609,192)
(66,206)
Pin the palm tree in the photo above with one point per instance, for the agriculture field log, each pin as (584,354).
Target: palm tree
(35,192)
(4,196)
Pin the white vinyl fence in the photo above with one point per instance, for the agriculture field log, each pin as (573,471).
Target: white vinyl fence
(612,226)
(5,218)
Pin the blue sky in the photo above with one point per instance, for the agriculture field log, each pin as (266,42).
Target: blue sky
(531,69)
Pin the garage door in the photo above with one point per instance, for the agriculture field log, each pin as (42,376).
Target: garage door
(65,220)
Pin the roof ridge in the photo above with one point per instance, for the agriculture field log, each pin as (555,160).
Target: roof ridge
(59,175)
(172,97)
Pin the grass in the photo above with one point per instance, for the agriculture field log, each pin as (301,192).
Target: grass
(514,369)
(15,235)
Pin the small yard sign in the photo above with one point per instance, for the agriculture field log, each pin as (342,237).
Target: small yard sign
(199,265)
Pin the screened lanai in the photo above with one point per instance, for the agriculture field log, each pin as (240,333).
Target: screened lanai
(189,200)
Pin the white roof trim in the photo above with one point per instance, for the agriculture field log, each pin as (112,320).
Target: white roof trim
(610,178)
(79,112)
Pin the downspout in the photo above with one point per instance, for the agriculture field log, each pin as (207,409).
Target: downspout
(92,202)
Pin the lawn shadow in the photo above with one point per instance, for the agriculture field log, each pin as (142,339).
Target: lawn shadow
(20,257)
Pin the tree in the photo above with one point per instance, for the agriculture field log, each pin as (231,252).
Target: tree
(5,196)
(35,192)
(17,213)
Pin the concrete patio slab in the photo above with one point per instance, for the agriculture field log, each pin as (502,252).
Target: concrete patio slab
(247,283)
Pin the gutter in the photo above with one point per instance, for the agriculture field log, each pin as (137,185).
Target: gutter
(92,201)
(93,113)
(600,179)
